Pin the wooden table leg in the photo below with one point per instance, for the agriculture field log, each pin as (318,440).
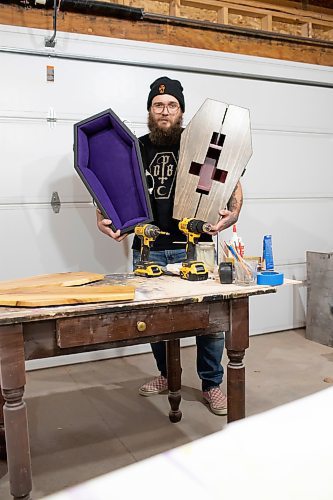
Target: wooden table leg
(12,371)
(174,379)
(3,452)
(237,340)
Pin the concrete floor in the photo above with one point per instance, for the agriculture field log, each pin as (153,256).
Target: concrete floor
(88,419)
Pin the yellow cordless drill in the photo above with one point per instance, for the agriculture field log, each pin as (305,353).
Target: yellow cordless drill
(147,234)
(192,269)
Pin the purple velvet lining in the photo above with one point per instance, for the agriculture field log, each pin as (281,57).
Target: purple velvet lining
(102,195)
(83,149)
(108,160)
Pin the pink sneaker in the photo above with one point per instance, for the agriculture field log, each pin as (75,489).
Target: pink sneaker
(155,386)
(216,400)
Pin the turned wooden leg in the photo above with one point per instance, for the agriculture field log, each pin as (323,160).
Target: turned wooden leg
(12,371)
(3,452)
(174,379)
(237,340)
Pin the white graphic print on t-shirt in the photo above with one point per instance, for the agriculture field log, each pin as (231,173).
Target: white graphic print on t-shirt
(163,169)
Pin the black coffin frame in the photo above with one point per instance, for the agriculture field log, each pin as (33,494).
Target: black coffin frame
(107,158)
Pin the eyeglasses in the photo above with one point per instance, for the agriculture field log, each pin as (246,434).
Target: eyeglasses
(159,107)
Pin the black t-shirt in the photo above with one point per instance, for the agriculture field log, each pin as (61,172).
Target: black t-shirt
(161,162)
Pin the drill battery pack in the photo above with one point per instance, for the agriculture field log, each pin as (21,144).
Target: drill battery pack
(193,271)
(148,270)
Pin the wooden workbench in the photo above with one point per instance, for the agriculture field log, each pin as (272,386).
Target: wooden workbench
(164,308)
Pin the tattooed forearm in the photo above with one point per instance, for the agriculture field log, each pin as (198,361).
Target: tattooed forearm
(230,216)
(236,200)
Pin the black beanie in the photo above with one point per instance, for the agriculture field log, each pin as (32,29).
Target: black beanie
(165,85)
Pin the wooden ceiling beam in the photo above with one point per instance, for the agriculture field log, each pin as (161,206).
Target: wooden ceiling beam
(159,29)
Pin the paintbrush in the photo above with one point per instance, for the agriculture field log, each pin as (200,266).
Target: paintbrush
(241,261)
(223,250)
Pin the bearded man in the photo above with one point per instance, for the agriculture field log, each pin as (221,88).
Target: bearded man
(160,152)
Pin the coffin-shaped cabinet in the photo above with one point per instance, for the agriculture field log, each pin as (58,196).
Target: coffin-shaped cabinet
(107,158)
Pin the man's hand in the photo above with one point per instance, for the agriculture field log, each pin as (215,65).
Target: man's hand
(227,219)
(230,216)
(103,226)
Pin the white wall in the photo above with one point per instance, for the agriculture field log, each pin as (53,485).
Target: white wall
(287,186)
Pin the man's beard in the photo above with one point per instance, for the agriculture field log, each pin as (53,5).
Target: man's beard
(164,136)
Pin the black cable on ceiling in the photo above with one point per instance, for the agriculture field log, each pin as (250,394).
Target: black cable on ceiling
(89,7)
(50,42)
(96,8)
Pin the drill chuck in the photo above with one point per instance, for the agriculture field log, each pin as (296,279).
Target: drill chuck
(152,231)
(198,226)
(148,231)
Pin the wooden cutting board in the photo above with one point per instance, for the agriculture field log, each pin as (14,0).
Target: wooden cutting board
(61,279)
(59,295)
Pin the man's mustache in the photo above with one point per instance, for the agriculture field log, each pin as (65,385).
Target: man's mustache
(159,134)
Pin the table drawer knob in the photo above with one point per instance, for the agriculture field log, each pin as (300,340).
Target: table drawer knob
(141,326)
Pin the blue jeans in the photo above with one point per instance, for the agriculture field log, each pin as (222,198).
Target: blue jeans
(209,347)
